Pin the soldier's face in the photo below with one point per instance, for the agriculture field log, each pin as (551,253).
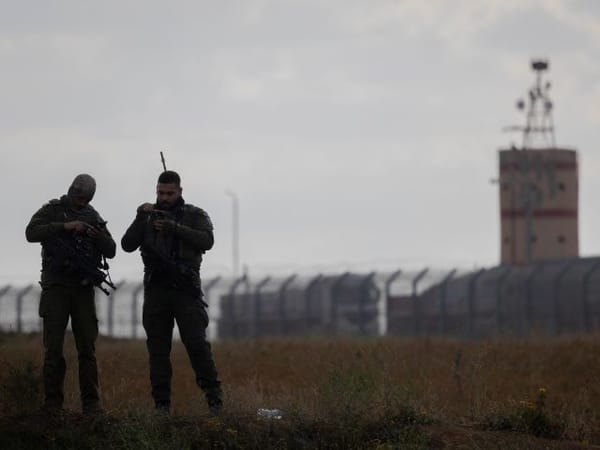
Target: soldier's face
(167,194)
(79,201)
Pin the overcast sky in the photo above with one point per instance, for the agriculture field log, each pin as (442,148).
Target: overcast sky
(357,134)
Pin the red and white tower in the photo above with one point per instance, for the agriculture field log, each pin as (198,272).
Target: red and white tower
(538,187)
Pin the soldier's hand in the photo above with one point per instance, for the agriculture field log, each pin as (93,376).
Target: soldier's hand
(143,211)
(164,225)
(93,232)
(77,226)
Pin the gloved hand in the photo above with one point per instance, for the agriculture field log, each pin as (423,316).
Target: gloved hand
(165,225)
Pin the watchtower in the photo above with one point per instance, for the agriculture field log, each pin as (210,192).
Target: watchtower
(538,183)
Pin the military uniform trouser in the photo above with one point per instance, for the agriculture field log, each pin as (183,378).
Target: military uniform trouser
(57,304)
(162,306)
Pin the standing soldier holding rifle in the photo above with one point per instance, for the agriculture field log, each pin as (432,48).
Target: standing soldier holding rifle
(75,243)
(172,236)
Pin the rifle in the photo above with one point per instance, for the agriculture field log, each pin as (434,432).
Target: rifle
(79,256)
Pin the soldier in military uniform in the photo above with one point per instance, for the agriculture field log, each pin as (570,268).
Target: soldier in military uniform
(71,232)
(172,236)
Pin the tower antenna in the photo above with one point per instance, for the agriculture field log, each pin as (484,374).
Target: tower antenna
(538,122)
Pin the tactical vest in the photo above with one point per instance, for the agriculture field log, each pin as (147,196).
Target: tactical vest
(55,265)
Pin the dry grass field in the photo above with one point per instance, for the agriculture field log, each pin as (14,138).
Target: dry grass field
(333,393)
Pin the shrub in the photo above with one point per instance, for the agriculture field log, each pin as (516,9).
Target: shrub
(526,416)
(21,388)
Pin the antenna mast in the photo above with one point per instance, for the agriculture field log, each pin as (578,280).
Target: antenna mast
(538,123)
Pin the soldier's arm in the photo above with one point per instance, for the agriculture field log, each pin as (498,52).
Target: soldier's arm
(106,243)
(41,227)
(200,234)
(134,236)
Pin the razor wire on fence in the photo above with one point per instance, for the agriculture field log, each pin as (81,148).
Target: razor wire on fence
(549,298)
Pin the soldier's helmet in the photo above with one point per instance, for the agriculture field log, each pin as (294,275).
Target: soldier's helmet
(83,185)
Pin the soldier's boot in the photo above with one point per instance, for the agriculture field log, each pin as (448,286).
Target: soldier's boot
(162,409)
(53,403)
(52,409)
(214,398)
(93,409)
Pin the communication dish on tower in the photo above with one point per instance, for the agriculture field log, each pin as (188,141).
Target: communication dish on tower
(539,126)
(539,64)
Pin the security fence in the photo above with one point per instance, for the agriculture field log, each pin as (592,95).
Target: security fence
(546,298)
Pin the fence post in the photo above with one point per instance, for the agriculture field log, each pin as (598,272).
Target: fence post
(282,306)
(110,309)
(587,322)
(334,301)
(4,291)
(206,298)
(501,279)
(415,302)
(257,306)
(388,294)
(211,284)
(529,298)
(444,301)
(110,314)
(232,291)
(471,302)
(307,302)
(20,296)
(363,292)
(134,309)
(556,302)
